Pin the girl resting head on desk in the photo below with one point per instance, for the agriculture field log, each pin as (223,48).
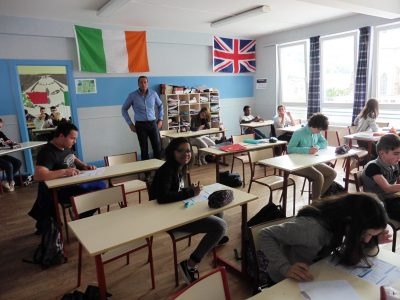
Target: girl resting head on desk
(350,226)
(170,185)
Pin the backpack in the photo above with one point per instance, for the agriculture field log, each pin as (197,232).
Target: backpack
(230,179)
(257,262)
(50,252)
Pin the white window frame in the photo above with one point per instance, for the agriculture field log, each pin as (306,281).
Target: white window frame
(374,86)
(327,105)
(279,47)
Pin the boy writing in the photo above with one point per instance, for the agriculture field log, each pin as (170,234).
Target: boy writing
(381,175)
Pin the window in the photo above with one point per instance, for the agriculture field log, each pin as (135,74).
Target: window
(388,65)
(293,70)
(338,62)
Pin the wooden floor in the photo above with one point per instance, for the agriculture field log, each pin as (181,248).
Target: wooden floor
(21,280)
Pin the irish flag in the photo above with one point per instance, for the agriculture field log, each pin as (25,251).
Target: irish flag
(110,51)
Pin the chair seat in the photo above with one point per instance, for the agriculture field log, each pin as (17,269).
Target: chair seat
(243,158)
(395,224)
(274,182)
(124,249)
(132,185)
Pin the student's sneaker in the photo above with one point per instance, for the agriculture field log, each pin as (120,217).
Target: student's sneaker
(189,274)
(203,161)
(12,186)
(6,185)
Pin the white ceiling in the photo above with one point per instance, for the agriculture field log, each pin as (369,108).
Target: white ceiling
(181,15)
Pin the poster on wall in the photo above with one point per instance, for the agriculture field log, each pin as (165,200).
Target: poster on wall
(261,83)
(85,86)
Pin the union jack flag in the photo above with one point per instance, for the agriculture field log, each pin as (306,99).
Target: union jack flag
(234,55)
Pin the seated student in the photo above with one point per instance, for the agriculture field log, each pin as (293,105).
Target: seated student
(28,116)
(248,118)
(57,118)
(381,176)
(350,226)
(9,164)
(283,119)
(169,186)
(308,139)
(366,121)
(200,122)
(43,113)
(57,160)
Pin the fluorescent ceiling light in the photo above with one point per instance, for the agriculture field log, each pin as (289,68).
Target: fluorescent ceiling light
(241,16)
(111,7)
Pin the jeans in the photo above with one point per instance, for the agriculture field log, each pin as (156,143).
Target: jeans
(10,165)
(213,226)
(148,129)
(258,135)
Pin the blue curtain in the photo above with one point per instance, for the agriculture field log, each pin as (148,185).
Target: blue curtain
(313,104)
(360,91)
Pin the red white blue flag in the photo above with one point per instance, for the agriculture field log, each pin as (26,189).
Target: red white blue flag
(234,55)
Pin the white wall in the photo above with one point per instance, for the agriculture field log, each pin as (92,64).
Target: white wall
(266,100)
(102,128)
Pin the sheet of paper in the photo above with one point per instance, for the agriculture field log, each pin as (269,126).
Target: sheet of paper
(328,290)
(98,171)
(381,272)
(207,191)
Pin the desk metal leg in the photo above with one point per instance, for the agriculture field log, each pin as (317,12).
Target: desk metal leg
(243,270)
(101,279)
(217,169)
(284,191)
(347,177)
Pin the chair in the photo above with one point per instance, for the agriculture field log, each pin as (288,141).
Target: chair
(130,185)
(394,224)
(213,286)
(165,140)
(114,196)
(254,242)
(242,157)
(272,182)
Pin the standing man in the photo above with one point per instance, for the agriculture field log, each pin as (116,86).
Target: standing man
(147,124)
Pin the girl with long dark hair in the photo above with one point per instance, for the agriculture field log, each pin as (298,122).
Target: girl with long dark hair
(169,186)
(349,226)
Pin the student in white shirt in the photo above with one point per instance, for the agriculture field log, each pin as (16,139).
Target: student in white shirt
(248,118)
(283,119)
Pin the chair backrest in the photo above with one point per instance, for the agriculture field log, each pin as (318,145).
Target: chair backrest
(213,286)
(382,124)
(118,159)
(240,138)
(332,136)
(358,181)
(258,155)
(98,199)
(255,230)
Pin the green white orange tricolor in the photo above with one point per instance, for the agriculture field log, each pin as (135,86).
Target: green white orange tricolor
(110,51)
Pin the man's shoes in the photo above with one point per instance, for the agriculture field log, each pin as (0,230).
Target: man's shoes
(223,240)
(189,274)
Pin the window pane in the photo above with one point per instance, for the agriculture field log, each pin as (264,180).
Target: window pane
(338,61)
(292,73)
(389,66)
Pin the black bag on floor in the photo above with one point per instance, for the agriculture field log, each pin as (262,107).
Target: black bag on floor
(230,179)
(50,252)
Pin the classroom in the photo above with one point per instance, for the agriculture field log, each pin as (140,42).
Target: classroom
(266,134)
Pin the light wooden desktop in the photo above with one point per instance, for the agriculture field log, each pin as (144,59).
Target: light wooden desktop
(292,162)
(249,147)
(24,146)
(366,136)
(256,124)
(136,222)
(322,271)
(107,173)
(289,129)
(193,134)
